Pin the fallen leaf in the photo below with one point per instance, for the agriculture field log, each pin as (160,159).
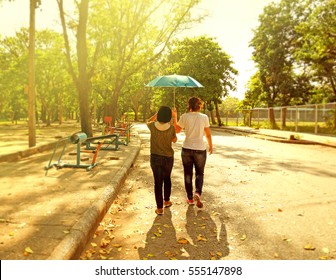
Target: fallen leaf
(150,255)
(326,250)
(279,210)
(103,257)
(94,244)
(184,253)
(104,243)
(309,247)
(170,254)
(29,250)
(200,237)
(116,245)
(66,231)
(103,252)
(243,238)
(11,233)
(324,258)
(183,241)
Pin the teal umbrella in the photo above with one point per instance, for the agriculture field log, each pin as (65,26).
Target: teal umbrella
(174,81)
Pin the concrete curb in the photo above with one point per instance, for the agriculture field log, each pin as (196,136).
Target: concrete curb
(73,244)
(273,138)
(28,152)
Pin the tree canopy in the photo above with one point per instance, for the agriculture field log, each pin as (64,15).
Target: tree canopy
(294,51)
(203,59)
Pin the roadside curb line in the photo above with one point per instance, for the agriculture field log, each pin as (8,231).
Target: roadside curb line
(72,245)
(28,152)
(273,138)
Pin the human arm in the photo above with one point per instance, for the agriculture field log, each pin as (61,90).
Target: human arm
(151,119)
(174,139)
(208,137)
(178,129)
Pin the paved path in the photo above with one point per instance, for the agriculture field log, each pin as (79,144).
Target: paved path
(53,216)
(263,200)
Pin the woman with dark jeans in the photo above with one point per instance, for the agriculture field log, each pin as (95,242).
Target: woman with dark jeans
(162,167)
(162,156)
(196,125)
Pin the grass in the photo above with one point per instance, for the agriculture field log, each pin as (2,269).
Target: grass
(304,127)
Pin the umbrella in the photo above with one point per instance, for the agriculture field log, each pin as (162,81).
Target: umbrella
(174,81)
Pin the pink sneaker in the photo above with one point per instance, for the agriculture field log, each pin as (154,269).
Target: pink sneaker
(190,201)
(197,198)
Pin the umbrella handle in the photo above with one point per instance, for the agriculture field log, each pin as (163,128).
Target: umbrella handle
(174,98)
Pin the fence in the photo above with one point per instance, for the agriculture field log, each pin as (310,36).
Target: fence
(315,118)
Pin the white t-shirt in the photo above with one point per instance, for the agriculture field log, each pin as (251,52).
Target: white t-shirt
(194,123)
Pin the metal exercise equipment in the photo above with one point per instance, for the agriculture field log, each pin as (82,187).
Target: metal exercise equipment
(123,130)
(110,142)
(78,138)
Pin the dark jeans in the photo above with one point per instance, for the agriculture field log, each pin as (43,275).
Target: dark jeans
(162,168)
(191,158)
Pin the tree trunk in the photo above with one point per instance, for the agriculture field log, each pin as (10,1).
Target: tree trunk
(43,113)
(114,106)
(31,78)
(136,113)
(271,118)
(83,83)
(48,118)
(284,117)
(250,118)
(218,115)
(332,83)
(60,111)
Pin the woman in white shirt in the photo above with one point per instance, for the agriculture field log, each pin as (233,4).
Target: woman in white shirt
(196,125)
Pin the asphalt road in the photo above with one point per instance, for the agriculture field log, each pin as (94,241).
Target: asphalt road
(263,200)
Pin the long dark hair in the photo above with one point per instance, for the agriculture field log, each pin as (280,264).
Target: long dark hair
(194,104)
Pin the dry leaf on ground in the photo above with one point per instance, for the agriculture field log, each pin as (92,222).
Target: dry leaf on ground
(183,241)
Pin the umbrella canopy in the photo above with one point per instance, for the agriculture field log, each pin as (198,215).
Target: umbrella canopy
(174,81)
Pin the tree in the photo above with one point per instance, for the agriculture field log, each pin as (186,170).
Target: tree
(54,94)
(318,45)
(135,34)
(14,76)
(274,43)
(31,75)
(203,59)
(84,73)
(52,79)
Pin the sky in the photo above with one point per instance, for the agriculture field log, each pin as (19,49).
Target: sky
(229,21)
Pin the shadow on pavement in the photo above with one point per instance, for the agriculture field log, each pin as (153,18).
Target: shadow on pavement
(205,240)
